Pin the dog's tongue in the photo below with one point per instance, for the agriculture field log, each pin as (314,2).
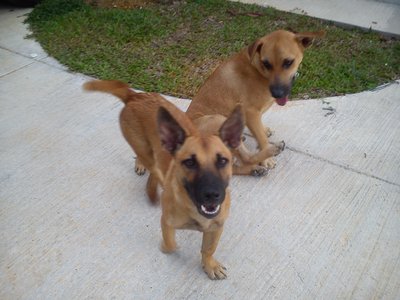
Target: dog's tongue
(281,101)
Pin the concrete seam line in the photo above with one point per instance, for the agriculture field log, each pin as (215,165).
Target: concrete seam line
(341,166)
(17,69)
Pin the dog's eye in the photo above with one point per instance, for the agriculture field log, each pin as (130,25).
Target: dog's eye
(267,65)
(221,161)
(287,63)
(190,163)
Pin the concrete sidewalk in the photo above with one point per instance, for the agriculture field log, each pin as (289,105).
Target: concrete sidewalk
(75,222)
(378,15)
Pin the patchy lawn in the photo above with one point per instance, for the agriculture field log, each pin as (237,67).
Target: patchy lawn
(171,47)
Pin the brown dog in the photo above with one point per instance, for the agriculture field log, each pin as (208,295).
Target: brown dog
(254,77)
(193,168)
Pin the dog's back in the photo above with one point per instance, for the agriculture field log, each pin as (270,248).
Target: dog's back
(138,121)
(137,118)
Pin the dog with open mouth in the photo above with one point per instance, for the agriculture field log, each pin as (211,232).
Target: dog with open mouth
(256,77)
(193,167)
(196,194)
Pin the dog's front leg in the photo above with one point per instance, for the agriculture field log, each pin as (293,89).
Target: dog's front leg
(253,122)
(168,244)
(210,265)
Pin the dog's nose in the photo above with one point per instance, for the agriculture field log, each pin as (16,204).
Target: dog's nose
(278,91)
(212,195)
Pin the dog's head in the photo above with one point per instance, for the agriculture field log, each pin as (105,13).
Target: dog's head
(277,57)
(203,163)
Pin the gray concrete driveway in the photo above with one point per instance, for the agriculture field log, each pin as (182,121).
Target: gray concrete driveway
(378,15)
(75,222)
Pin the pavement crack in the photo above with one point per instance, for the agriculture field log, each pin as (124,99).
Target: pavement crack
(348,168)
(17,69)
(33,60)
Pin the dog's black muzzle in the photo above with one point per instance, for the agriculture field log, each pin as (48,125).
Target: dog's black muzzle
(207,191)
(280,90)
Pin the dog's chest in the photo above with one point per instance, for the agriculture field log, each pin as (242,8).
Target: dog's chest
(207,225)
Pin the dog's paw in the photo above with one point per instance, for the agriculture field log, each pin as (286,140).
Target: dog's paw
(168,249)
(268,131)
(279,147)
(139,168)
(214,269)
(282,145)
(259,171)
(140,171)
(270,163)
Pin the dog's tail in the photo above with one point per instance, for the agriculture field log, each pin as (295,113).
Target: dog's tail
(114,87)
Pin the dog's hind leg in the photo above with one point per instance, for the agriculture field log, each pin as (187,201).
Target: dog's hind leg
(138,142)
(268,131)
(252,169)
(249,163)
(151,188)
(140,169)
(271,150)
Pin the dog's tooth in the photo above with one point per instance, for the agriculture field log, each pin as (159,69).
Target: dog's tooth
(203,208)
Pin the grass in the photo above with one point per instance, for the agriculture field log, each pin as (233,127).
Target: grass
(173,48)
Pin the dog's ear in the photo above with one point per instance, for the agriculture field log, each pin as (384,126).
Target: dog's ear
(171,133)
(305,39)
(254,48)
(232,129)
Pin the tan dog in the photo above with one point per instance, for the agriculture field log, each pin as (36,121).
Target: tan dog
(254,77)
(193,168)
